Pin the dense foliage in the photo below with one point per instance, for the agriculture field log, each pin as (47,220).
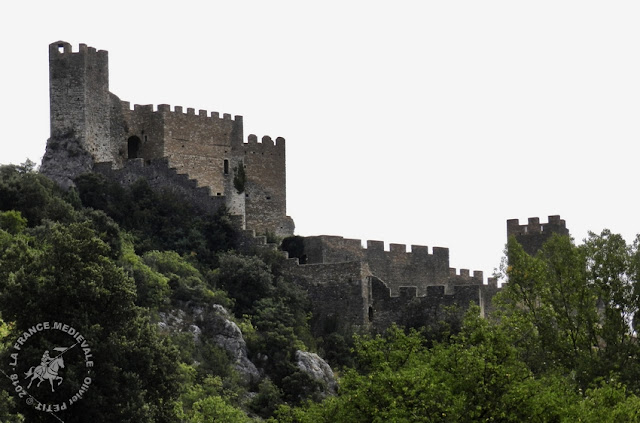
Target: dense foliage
(121,263)
(561,346)
(137,270)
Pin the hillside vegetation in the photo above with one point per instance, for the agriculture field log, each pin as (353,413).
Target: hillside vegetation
(184,327)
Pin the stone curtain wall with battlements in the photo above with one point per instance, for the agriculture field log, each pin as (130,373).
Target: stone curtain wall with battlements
(395,267)
(371,288)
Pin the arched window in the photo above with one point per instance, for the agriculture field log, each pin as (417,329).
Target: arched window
(133,147)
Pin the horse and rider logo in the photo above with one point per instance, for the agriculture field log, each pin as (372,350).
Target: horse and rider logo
(52,366)
(48,368)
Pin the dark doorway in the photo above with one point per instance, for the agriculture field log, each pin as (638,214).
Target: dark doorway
(133,147)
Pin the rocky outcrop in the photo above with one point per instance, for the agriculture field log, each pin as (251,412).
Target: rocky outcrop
(64,160)
(214,323)
(318,369)
(227,335)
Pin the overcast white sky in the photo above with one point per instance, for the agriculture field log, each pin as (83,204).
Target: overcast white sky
(421,122)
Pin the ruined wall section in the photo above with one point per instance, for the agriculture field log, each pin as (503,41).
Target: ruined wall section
(266,186)
(332,249)
(408,307)
(349,294)
(534,234)
(80,102)
(161,177)
(339,293)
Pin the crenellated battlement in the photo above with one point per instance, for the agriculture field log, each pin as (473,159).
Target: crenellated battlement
(330,249)
(533,226)
(253,145)
(166,109)
(63,48)
(465,276)
(534,234)
(416,250)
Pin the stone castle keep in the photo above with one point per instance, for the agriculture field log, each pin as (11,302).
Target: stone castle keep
(206,148)
(205,159)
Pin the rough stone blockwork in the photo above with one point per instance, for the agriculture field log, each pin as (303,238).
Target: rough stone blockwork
(370,288)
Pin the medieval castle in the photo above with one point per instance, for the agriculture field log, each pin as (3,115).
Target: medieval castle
(204,158)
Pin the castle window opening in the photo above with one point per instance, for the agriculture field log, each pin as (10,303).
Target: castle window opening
(133,147)
(370,314)
(226,166)
(146,138)
(60,48)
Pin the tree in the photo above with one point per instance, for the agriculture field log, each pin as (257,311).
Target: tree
(70,277)
(245,278)
(574,305)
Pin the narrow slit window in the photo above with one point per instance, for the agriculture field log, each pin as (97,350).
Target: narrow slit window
(226,166)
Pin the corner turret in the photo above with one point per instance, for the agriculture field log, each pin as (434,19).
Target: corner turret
(534,234)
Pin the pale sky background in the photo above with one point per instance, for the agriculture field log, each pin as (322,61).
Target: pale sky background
(416,122)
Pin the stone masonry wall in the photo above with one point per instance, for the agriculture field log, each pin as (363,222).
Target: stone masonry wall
(534,234)
(161,177)
(395,267)
(407,306)
(339,294)
(349,295)
(80,101)
(266,188)
(195,144)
